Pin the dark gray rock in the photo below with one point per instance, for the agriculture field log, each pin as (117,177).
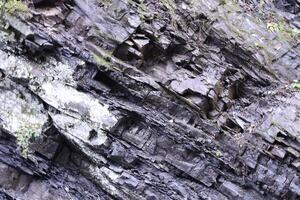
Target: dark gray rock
(149,100)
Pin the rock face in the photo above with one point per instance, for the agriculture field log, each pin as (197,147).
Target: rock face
(150,100)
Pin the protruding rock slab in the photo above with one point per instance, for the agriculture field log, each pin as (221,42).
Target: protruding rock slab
(77,104)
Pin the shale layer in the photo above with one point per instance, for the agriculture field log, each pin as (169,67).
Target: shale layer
(147,99)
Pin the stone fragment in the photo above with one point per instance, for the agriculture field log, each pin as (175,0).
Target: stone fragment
(296,163)
(135,52)
(295,185)
(141,43)
(72,18)
(204,173)
(129,180)
(164,42)
(231,189)
(137,136)
(293,152)
(279,152)
(195,85)
(19,26)
(134,21)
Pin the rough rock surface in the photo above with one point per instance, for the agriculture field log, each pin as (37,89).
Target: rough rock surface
(144,99)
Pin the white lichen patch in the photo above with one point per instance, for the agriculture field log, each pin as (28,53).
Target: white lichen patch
(16,112)
(15,67)
(21,68)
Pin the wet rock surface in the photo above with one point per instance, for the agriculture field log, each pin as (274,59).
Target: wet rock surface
(150,100)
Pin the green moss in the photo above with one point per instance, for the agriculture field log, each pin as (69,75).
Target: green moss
(101,60)
(141,8)
(222,2)
(105,2)
(229,4)
(283,30)
(296,85)
(218,153)
(143,11)
(24,135)
(169,4)
(12,6)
